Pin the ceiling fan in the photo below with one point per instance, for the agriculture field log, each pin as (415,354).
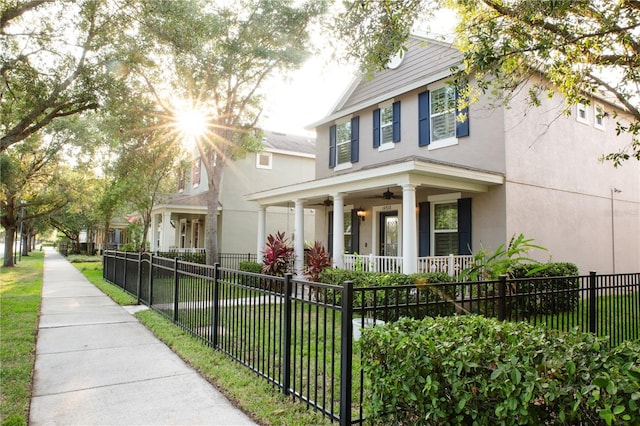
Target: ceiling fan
(327,203)
(388,195)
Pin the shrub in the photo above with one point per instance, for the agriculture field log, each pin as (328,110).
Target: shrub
(248,266)
(278,255)
(318,259)
(475,370)
(401,296)
(200,258)
(557,294)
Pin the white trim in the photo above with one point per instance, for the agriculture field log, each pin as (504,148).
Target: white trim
(375,228)
(386,146)
(343,166)
(433,78)
(291,153)
(439,198)
(387,103)
(432,173)
(342,120)
(443,143)
(269,155)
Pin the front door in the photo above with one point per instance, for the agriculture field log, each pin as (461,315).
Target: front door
(389,233)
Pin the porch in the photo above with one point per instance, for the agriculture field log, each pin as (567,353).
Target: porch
(451,265)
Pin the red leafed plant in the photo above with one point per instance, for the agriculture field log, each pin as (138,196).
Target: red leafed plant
(278,255)
(318,259)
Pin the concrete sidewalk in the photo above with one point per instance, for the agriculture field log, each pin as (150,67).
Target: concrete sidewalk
(97,365)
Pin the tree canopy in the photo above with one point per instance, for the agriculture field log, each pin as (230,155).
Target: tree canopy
(584,48)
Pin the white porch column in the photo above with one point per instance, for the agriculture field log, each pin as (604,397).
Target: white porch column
(168,233)
(409,230)
(262,220)
(338,230)
(298,239)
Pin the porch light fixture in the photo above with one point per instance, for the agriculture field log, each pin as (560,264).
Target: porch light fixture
(361,213)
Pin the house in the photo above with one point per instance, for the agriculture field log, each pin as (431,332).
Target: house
(178,223)
(404,182)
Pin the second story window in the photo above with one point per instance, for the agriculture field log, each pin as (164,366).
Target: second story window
(599,115)
(443,113)
(196,172)
(264,160)
(386,125)
(440,123)
(343,143)
(181,179)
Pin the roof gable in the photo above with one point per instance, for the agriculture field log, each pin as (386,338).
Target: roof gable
(423,57)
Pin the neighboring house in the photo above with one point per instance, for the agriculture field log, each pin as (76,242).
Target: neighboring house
(178,224)
(405,184)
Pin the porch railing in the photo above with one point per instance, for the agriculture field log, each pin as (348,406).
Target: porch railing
(187,250)
(451,264)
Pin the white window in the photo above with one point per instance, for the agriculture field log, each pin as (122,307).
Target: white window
(598,116)
(343,143)
(386,125)
(443,114)
(445,228)
(582,115)
(264,160)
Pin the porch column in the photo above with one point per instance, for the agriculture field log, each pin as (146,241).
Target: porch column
(262,220)
(338,230)
(298,239)
(409,230)
(166,239)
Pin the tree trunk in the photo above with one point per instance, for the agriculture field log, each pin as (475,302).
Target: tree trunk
(213,200)
(10,233)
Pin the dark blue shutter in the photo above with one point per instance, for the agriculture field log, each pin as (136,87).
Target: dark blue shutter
(424,233)
(462,128)
(424,121)
(396,121)
(376,128)
(332,147)
(464,226)
(355,231)
(355,139)
(330,232)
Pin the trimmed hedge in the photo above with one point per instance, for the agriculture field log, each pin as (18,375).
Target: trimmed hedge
(249,266)
(185,257)
(552,296)
(475,370)
(416,299)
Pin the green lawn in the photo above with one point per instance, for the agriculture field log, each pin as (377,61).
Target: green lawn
(20,297)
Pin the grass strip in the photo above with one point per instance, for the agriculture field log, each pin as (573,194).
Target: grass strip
(20,298)
(255,396)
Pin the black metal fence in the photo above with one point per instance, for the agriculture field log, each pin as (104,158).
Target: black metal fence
(300,335)
(225,260)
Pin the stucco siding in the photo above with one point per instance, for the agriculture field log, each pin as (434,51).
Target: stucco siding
(559,193)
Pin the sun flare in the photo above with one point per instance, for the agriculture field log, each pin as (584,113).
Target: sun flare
(192,122)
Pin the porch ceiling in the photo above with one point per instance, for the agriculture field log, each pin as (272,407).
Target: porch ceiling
(372,182)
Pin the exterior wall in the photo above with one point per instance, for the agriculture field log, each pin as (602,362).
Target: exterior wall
(238,226)
(482,149)
(559,194)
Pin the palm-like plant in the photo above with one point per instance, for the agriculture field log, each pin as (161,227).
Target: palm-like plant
(318,259)
(278,255)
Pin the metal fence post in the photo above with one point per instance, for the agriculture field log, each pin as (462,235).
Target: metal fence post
(175,289)
(150,279)
(286,355)
(346,354)
(139,280)
(215,305)
(124,272)
(502,296)
(593,302)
